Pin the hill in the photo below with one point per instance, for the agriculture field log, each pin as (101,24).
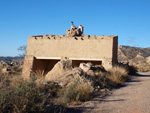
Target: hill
(126,53)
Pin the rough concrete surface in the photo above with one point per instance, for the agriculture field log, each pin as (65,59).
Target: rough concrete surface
(133,97)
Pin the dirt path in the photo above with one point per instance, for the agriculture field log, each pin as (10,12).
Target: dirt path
(134,97)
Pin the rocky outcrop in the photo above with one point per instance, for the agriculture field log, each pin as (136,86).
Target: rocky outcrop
(11,68)
(139,56)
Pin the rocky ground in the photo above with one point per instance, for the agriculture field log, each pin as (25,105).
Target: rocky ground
(136,56)
(133,97)
(11,68)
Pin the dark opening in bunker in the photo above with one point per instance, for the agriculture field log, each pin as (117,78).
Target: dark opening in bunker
(47,64)
(44,65)
(76,63)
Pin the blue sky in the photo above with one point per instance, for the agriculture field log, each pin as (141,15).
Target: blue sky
(19,19)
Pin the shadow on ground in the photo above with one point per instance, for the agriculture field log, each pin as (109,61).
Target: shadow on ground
(81,109)
(142,75)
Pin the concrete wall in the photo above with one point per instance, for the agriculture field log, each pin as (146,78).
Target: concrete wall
(28,66)
(94,47)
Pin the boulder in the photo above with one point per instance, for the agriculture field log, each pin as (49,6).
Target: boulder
(148,59)
(58,70)
(69,76)
(63,73)
(85,66)
(4,70)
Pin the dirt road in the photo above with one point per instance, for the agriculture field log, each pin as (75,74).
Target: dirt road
(133,97)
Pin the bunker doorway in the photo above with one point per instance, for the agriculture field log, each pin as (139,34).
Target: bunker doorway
(43,65)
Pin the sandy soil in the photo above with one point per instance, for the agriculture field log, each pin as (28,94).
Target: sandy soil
(133,97)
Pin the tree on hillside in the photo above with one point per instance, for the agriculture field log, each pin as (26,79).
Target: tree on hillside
(22,50)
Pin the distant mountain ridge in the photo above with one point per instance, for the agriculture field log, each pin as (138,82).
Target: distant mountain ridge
(10,59)
(126,53)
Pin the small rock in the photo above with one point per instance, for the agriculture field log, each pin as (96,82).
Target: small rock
(61,84)
(85,67)
(90,72)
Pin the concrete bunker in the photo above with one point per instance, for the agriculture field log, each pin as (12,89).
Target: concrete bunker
(44,51)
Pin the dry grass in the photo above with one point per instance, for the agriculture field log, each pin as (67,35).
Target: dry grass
(10,81)
(39,75)
(16,80)
(117,75)
(28,97)
(1,69)
(85,88)
(79,90)
(101,80)
(143,68)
